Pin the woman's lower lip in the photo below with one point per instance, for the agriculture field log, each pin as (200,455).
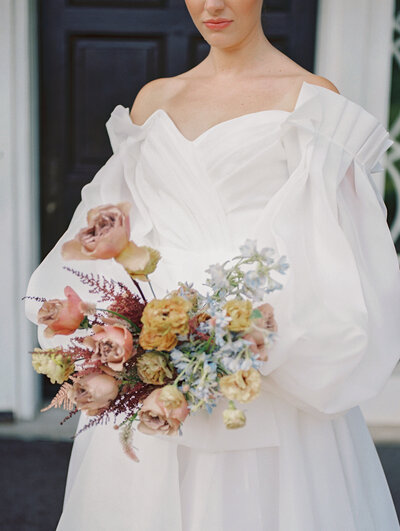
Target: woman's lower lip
(217,25)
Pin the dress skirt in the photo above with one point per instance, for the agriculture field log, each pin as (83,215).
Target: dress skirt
(325,475)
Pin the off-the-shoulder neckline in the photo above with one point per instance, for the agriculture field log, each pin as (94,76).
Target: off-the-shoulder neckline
(163,112)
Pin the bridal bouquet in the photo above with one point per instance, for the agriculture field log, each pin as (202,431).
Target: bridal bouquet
(157,361)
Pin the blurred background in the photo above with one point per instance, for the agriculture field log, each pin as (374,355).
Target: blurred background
(65,65)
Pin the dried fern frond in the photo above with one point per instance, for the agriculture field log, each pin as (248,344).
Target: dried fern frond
(126,436)
(61,399)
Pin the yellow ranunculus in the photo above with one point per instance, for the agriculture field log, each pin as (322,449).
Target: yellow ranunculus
(242,386)
(167,315)
(152,368)
(152,340)
(239,311)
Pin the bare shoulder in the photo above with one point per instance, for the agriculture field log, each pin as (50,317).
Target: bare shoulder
(322,82)
(151,97)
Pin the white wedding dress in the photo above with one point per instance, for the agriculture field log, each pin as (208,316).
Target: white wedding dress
(301,182)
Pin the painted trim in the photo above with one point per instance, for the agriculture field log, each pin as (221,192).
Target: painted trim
(354,51)
(19,202)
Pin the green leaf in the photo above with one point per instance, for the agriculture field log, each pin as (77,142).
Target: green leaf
(85,323)
(255,314)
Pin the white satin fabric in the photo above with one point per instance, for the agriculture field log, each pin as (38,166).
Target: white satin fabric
(301,182)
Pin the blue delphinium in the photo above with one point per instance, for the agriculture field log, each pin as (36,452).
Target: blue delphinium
(213,350)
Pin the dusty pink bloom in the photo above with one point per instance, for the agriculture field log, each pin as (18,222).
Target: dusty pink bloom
(266,321)
(106,235)
(156,418)
(63,316)
(112,344)
(93,392)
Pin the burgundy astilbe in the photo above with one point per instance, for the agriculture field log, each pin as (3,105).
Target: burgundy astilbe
(109,288)
(38,299)
(130,306)
(195,332)
(126,438)
(123,300)
(76,351)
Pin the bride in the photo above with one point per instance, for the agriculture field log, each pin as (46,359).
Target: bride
(250,145)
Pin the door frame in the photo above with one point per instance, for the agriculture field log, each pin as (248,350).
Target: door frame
(367,82)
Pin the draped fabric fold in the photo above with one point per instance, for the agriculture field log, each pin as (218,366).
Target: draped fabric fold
(111,184)
(343,289)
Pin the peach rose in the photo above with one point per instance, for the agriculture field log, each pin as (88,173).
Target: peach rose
(63,316)
(167,315)
(242,386)
(106,235)
(239,311)
(256,336)
(112,344)
(155,417)
(151,340)
(92,393)
(138,261)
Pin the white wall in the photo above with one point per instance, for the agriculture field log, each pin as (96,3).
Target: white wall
(354,51)
(19,205)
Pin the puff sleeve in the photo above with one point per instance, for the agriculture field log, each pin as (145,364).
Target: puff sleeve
(111,184)
(339,310)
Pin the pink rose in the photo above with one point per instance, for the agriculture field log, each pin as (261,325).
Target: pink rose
(92,393)
(112,344)
(155,417)
(106,235)
(266,321)
(63,316)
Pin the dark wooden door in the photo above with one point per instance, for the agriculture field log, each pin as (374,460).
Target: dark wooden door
(95,54)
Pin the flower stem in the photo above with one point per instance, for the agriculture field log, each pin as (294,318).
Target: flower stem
(135,326)
(151,287)
(139,290)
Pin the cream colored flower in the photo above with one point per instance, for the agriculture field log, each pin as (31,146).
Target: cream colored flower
(242,386)
(55,366)
(171,397)
(152,368)
(139,261)
(234,418)
(239,311)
